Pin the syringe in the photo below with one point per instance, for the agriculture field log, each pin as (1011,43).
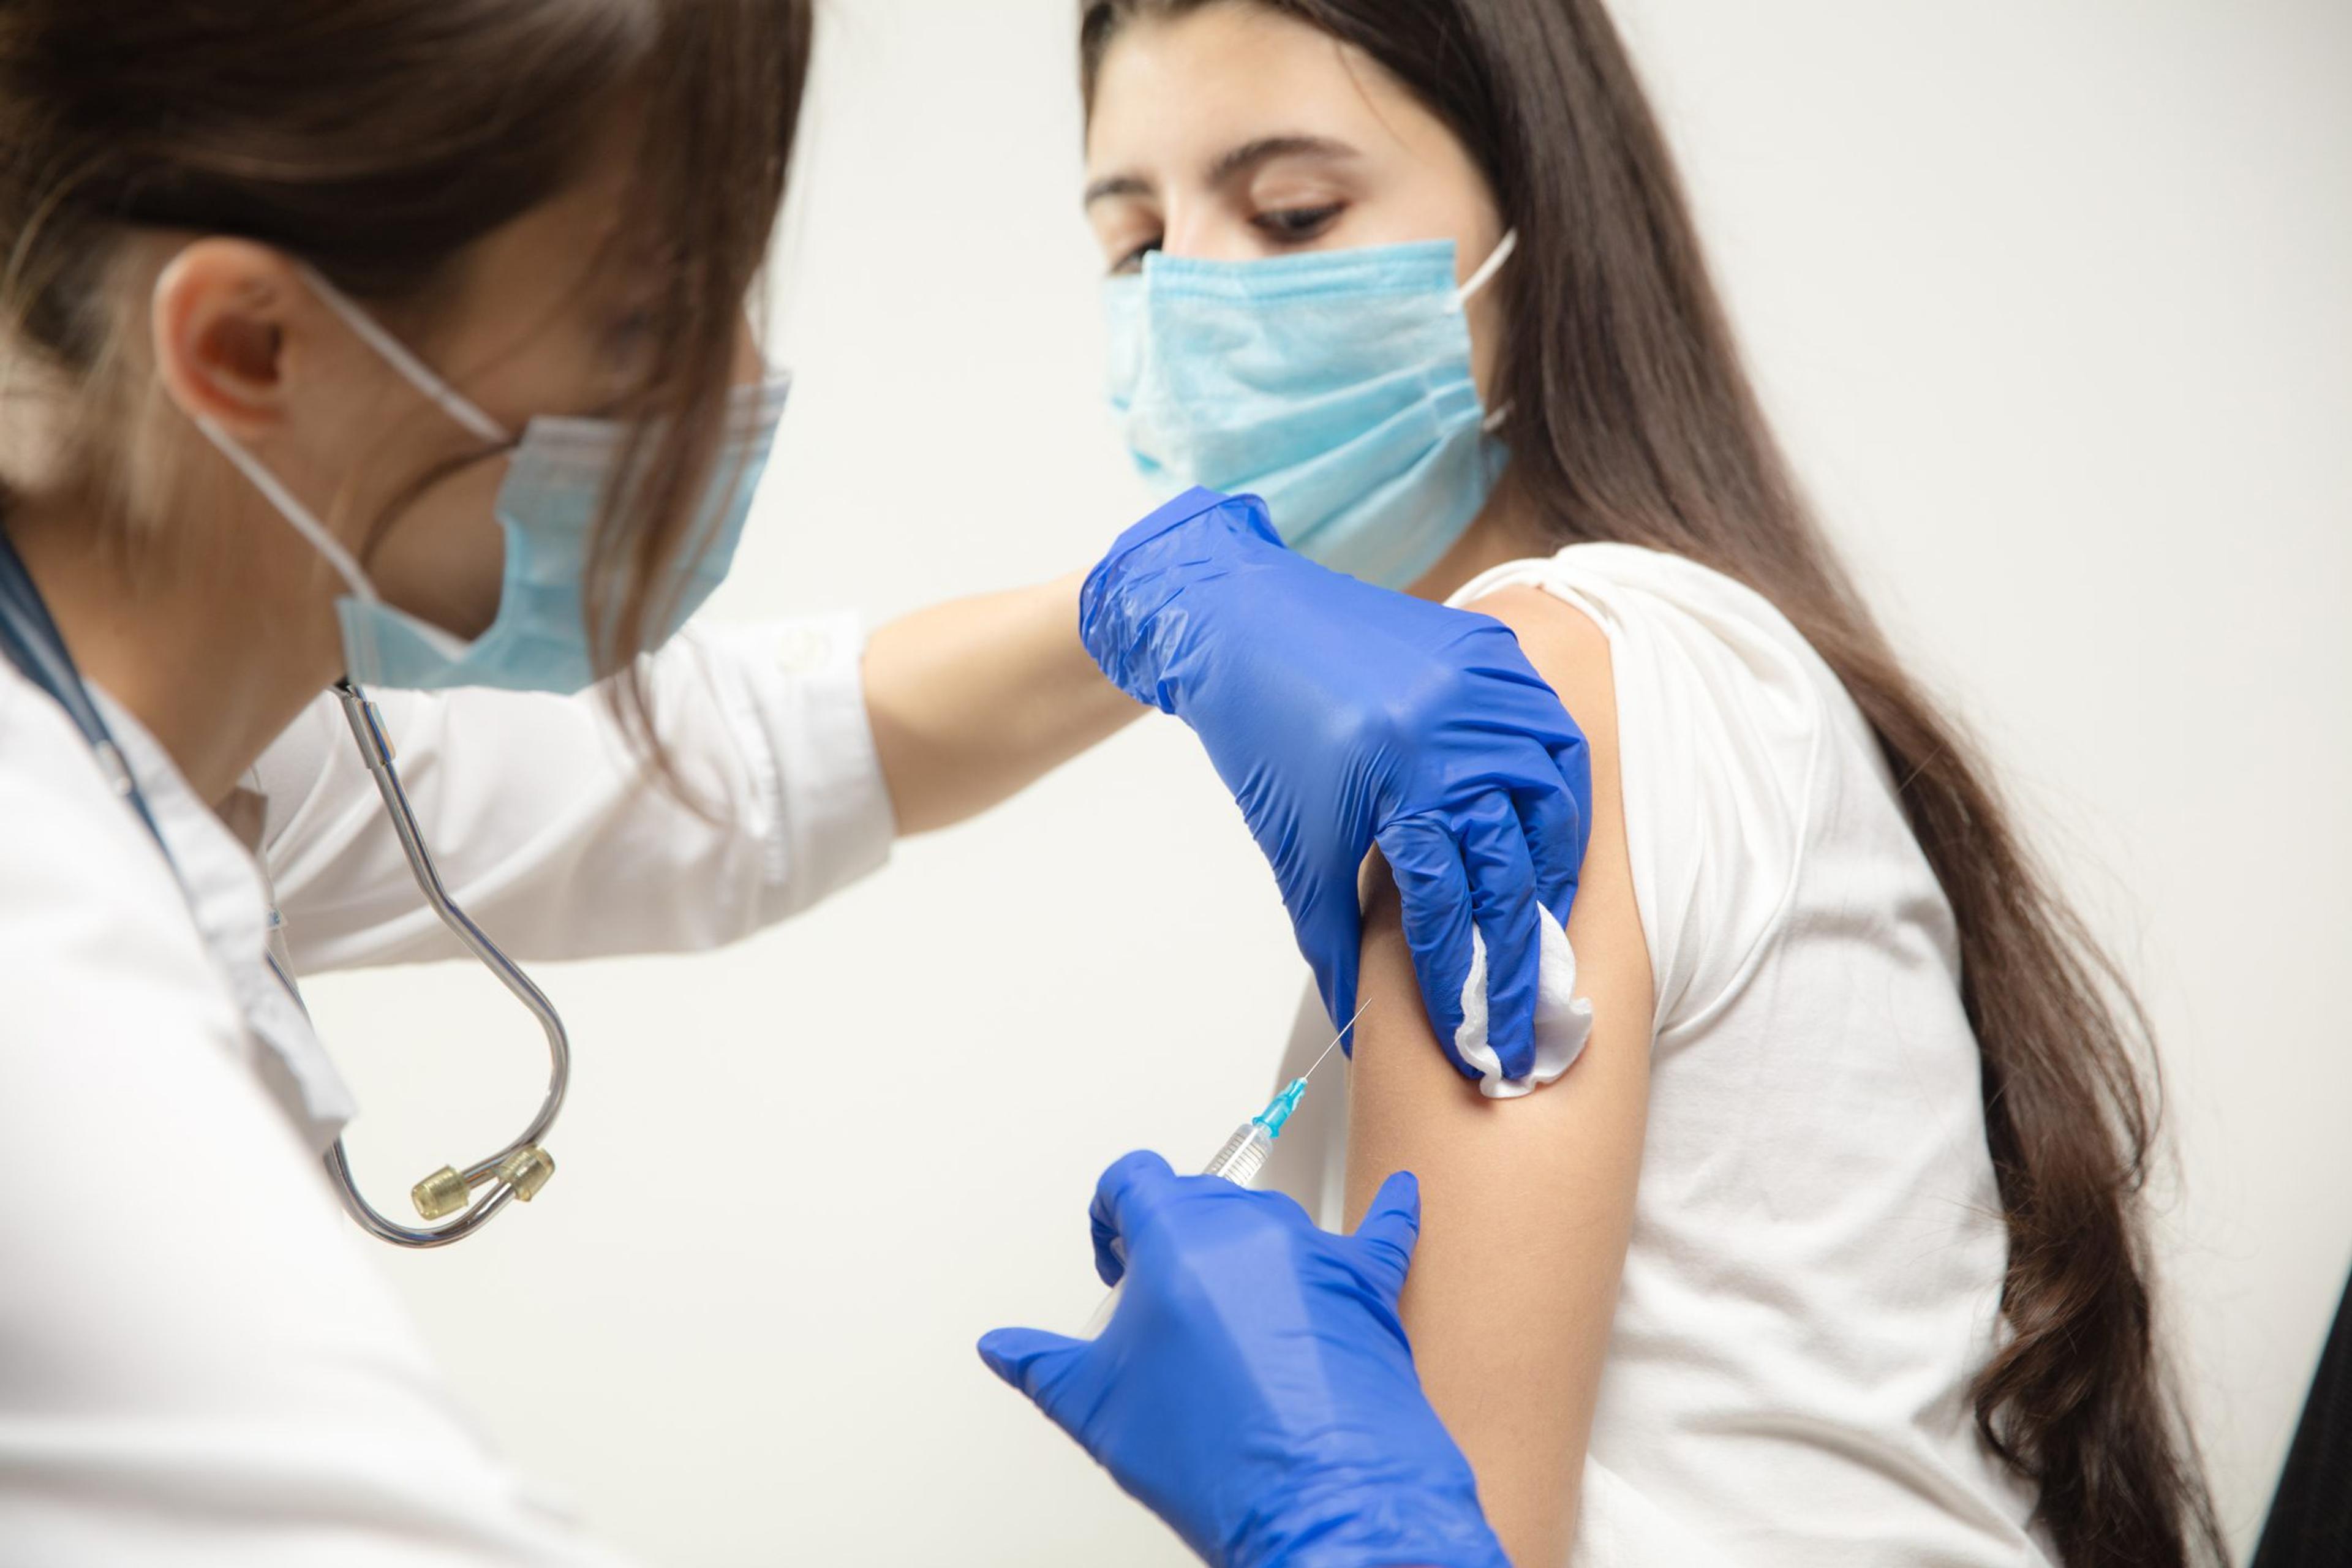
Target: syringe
(1240,1161)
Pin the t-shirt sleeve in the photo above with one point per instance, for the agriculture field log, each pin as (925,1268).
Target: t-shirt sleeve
(1722,722)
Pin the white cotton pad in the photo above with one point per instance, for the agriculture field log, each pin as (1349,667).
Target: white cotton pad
(1563,1020)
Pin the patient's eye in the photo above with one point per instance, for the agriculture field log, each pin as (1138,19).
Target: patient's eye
(1133,260)
(1297,226)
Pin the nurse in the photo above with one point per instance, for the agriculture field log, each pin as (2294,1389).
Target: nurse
(403,341)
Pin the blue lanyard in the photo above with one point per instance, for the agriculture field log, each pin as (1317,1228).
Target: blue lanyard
(30,639)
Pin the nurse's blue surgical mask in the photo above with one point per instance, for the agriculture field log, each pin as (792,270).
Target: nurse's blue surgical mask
(1335,384)
(557,475)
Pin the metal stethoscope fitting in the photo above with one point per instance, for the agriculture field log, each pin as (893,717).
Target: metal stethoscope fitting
(522,1167)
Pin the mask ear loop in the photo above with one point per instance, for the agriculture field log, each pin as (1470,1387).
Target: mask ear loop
(417,373)
(289,506)
(1479,279)
(427,381)
(1487,269)
(304,520)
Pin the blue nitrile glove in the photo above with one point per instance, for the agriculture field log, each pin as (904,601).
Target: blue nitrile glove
(1254,1388)
(1340,715)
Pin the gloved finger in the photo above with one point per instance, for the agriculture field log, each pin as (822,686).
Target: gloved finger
(1435,890)
(1038,1363)
(1120,1197)
(1110,1247)
(1328,920)
(1503,903)
(1391,1228)
(1556,833)
(1572,758)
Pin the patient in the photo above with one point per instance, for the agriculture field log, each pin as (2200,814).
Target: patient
(1828,1248)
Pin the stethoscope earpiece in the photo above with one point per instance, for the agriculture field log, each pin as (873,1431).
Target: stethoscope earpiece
(520,1169)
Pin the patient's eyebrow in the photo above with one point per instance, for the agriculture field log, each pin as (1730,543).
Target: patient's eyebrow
(1247,157)
(1229,164)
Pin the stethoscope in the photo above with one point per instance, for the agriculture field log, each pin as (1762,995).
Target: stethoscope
(29,637)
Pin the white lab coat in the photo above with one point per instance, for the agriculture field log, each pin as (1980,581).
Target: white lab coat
(198,1363)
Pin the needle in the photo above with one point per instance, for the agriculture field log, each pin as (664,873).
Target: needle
(1335,1042)
(1243,1155)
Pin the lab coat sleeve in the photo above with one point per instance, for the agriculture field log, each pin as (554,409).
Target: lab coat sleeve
(557,840)
(197,1365)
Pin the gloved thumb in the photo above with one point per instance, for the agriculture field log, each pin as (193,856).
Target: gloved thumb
(1436,890)
(1036,1362)
(1330,925)
(1391,1228)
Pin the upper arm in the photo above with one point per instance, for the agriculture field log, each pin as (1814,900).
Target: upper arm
(1528,1202)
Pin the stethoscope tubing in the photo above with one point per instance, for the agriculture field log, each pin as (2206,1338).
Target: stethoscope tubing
(30,640)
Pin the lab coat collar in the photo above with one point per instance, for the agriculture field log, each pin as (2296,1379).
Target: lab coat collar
(230,900)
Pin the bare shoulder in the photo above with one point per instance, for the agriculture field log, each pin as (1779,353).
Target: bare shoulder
(1566,645)
(1571,651)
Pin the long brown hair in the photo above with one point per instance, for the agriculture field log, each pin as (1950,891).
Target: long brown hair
(1634,421)
(376,140)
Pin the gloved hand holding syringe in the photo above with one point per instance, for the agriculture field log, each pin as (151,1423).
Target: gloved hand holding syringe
(1240,1161)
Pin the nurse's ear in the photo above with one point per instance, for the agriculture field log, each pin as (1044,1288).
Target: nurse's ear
(235,335)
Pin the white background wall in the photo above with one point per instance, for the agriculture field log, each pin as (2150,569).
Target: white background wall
(2053,301)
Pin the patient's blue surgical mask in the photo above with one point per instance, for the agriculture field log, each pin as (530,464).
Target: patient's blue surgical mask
(1335,384)
(548,505)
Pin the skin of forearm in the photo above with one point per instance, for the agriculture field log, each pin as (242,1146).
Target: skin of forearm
(973,700)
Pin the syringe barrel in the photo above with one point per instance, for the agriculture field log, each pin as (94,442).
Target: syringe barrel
(1243,1155)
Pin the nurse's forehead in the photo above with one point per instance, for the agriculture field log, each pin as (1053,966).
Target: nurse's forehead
(1174,98)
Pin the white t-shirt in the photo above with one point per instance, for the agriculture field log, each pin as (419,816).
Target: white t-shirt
(1817,1249)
